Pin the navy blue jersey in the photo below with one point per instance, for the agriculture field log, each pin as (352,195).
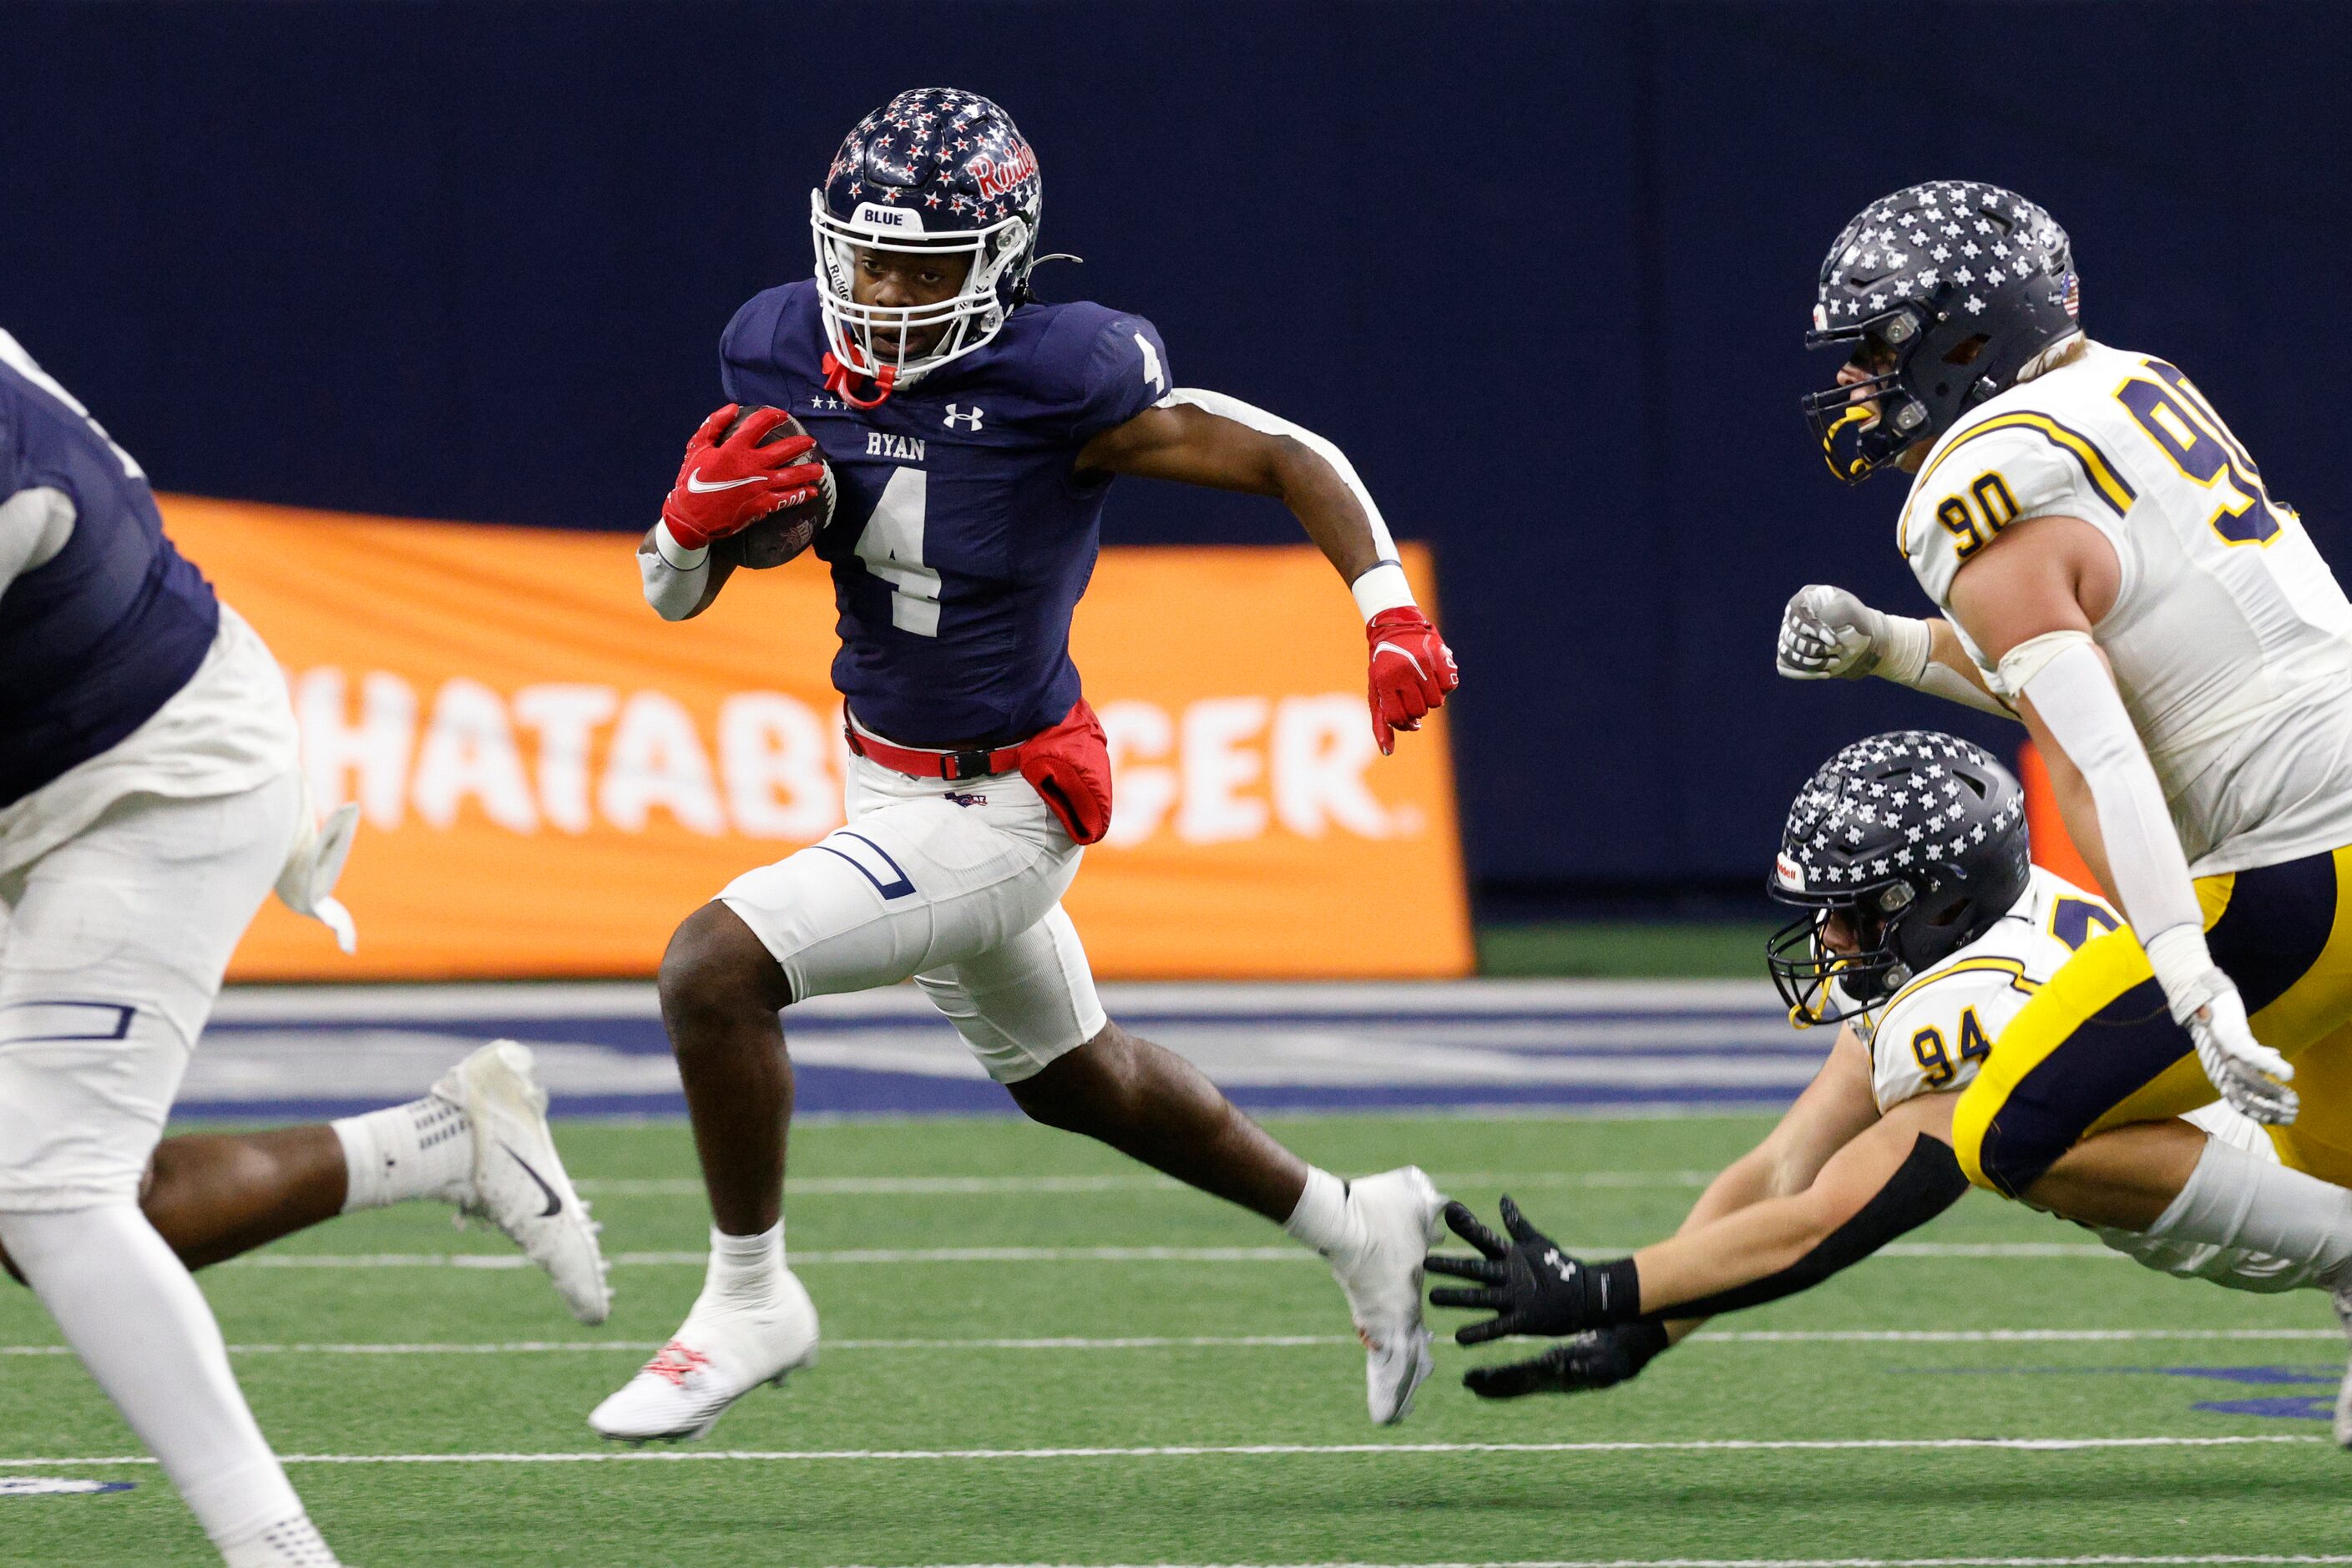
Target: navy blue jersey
(96,639)
(962,539)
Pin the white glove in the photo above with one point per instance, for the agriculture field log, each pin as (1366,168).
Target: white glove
(2250,1075)
(1828,634)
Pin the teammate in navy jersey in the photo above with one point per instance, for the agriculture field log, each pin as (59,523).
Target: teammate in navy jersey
(150,796)
(971,434)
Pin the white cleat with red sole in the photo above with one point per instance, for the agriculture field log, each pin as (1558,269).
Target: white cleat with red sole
(723,1350)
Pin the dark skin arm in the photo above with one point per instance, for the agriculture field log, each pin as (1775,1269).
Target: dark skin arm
(1194,446)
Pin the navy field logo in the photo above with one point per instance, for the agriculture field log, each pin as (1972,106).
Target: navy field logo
(55,1486)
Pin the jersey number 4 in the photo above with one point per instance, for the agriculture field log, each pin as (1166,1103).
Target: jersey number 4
(892,549)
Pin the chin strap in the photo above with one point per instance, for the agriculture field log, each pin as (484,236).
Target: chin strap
(837,377)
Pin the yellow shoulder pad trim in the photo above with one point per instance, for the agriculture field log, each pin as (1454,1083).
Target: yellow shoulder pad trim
(2012,967)
(2113,488)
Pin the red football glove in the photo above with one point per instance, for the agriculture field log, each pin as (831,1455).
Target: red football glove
(1413,669)
(725,486)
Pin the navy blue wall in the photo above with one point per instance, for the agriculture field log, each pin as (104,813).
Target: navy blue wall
(1541,269)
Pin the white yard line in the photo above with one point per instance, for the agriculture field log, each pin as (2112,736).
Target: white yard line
(2216,1560)
(877,1255)
(554,1347)
(1293,1341)
(241,1005)
(812,1186)
(1234,1450)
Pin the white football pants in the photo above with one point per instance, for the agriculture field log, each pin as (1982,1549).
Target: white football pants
(958,885)
(113,953)
(114,950)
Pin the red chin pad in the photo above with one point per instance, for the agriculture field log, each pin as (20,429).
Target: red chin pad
(1069,767)
(837,377)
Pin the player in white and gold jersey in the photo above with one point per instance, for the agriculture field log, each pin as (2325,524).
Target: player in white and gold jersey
(2113,570)
(1926,935)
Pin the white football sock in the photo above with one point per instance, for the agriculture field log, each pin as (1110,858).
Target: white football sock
(745,1271)
(2233,1199)
(139,1323)
(421,1150)
(1324,1218)
(291,1543)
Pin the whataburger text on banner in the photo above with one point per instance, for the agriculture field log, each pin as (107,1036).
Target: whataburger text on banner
(551,777)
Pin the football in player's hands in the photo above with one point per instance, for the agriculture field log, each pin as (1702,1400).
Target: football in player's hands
(776,538)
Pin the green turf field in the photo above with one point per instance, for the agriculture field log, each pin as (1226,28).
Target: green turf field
(1218,1406)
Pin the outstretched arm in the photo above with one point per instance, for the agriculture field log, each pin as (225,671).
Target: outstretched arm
(1895,1177)
(1835,1107)
(1207,438)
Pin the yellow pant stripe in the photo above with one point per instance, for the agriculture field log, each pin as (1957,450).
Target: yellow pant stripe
(2102,969)
(2315,1004)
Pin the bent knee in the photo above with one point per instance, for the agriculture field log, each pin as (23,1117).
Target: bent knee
(715,967)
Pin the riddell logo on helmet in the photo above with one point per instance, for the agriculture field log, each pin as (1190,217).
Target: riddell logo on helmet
(996,179)
(1792,875)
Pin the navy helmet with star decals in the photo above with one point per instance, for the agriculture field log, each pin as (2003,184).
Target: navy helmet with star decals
(935,171)
(1942,292)
(1914,841)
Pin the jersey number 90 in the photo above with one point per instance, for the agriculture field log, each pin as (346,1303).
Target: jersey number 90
(2186,429)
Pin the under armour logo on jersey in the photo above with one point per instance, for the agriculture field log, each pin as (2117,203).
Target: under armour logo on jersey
(956,415)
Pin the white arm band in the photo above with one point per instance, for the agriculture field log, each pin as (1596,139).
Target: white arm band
(1940,679)
(674,575)
(2069,685)
(1383,587)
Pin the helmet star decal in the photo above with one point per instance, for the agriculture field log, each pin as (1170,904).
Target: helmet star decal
(1956,337)
(1915,840)
(937,171)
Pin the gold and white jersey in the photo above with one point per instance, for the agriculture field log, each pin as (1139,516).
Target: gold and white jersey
(2231,640)
(1931,1035)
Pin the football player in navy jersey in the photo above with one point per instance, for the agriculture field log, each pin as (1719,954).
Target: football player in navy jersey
(150,796)
(972,434)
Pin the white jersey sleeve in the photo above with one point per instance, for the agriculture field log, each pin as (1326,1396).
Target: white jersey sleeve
(2003,468)
(2230,637)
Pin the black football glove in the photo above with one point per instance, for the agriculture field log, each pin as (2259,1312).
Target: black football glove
(1528,1283)
(1601,1358)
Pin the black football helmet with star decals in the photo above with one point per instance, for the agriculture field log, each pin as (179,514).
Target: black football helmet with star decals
(1942,292)
(933,172)
(1917,840)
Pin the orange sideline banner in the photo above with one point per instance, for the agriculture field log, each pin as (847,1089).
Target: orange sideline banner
(551,777)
